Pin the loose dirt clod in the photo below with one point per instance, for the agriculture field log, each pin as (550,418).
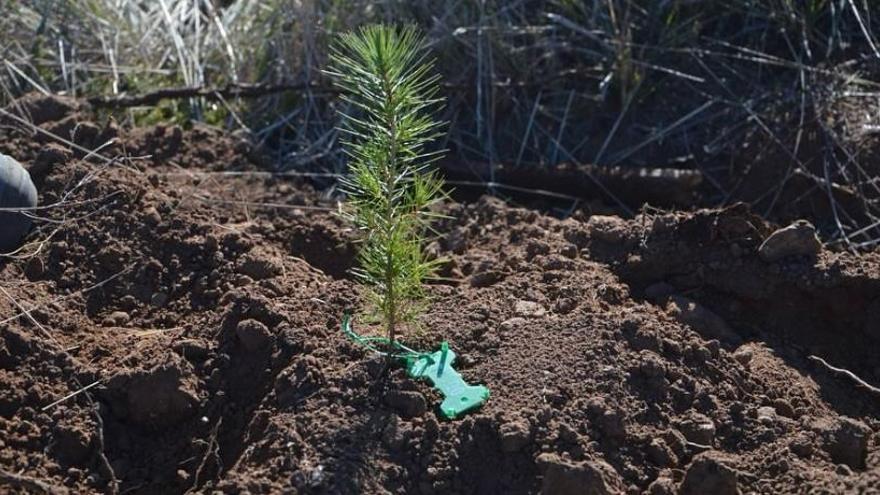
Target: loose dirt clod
(710,472)
(563,477)
(515,435)
(845,440)
(253,335)
(703,320)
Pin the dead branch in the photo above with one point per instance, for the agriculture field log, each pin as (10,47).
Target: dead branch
(228,91)
(846,373)
(70,395)
(244,90)
(634,186)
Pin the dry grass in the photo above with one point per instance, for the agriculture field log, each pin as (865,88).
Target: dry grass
(653,83)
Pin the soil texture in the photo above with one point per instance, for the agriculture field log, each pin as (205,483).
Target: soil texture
(172,326)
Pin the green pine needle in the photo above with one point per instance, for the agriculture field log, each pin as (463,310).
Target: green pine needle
(385,76)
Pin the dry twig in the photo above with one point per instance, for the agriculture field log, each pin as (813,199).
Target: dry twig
(846,373)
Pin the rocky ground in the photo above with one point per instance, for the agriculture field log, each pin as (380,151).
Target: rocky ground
(195,316)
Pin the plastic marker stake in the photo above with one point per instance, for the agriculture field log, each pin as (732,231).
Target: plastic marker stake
(459,397)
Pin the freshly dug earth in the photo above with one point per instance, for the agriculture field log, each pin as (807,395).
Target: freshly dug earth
(659,354)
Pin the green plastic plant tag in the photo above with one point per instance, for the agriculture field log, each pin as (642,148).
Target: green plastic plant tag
(459,397)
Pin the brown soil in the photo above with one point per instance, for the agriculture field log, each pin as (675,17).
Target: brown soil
(658,354)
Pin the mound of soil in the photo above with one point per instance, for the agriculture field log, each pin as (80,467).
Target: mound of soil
(173,327)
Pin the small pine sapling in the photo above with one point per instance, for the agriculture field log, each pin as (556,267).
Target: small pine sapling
(387,80)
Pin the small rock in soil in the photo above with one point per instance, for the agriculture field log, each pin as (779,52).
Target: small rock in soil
(152,216)
(798,239)
(253,335)
(408,403)
(767,415)
(512,323)
(515,435)
(529,309)
(564,477)
(710,472)
(701,319)
(699,429)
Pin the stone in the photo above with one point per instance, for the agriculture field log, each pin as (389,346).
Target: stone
(698,429)
(408,403)
(766,415)
(253,334)
(529,309)
(152,216)
(798,239)
(512,323)
(565,477)
(710,472)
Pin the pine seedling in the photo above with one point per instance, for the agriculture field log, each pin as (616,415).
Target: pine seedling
(387,80)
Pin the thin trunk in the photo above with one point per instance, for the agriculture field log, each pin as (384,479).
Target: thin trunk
(390,174)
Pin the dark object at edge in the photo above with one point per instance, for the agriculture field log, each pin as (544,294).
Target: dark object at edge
(16,191)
